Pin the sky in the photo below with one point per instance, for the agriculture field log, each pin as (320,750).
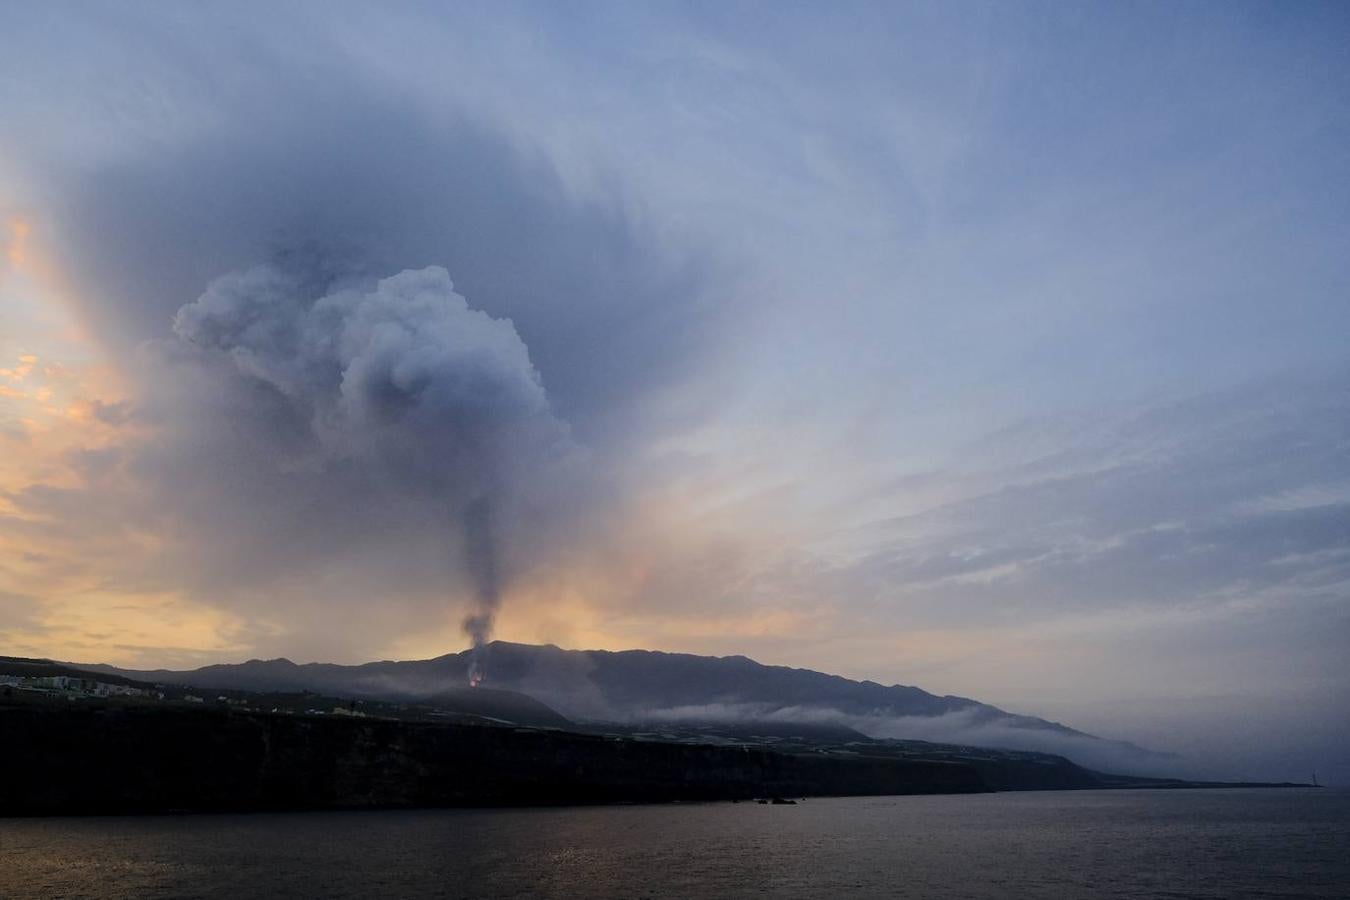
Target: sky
(998,349)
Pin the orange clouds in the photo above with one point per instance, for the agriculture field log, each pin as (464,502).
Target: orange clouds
(21,370)
(59,585)
(16,248)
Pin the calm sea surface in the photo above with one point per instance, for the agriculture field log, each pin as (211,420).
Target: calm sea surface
(1170,844)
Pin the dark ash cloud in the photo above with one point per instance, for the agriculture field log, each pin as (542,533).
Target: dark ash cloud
(397,394)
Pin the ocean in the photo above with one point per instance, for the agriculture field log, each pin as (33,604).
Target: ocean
(1083,844)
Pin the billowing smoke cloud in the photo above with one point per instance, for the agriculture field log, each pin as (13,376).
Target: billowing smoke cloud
(401,385)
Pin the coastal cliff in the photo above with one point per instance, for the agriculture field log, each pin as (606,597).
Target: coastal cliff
(81,759)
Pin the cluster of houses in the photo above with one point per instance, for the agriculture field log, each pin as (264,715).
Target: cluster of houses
(73,686)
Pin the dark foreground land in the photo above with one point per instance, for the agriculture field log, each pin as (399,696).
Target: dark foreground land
(108,758)
(100,757)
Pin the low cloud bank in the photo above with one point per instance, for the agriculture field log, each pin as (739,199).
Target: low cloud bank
(973,727)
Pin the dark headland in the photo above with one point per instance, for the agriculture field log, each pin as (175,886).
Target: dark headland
(123,746)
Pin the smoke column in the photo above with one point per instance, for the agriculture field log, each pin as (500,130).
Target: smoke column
(480,558)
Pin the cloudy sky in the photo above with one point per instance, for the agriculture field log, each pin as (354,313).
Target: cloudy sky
(998,349)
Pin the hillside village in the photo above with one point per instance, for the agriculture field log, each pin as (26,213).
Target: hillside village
(89,687)
(74,687)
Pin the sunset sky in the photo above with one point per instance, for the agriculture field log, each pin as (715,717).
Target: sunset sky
(996,349)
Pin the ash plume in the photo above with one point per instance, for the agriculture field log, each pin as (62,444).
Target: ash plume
(480,556)
(397,394)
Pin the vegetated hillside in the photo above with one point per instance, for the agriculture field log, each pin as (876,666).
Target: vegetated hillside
(458,702)
(492,703)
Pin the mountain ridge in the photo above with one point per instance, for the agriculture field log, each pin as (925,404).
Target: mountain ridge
(632,685)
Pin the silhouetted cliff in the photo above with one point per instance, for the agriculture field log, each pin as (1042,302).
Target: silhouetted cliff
(90,758)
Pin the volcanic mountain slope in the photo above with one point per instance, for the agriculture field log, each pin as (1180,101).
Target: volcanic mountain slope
(637,686)
(602,685)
